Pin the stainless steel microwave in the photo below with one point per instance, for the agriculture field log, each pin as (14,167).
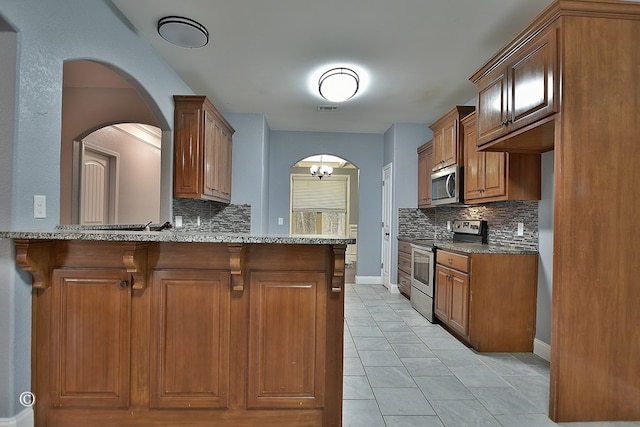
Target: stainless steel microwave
(446,186)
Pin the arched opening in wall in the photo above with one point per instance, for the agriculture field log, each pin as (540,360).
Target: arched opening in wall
(324,199)
(116,174)
(111,148)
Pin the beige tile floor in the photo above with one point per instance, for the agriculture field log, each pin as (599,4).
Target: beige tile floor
(402,371)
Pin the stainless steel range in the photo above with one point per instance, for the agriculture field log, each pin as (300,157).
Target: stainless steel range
(422,276)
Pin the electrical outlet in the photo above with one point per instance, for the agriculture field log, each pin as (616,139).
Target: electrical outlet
(280,221)
(39,206)
(520,229)
(178,221)
(449,225)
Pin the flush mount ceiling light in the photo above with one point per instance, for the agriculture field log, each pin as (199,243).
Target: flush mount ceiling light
(183,32)
(338,84)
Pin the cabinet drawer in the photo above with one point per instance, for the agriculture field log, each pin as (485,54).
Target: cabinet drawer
(404,283)
(404,246)
(451,260)
(404,262)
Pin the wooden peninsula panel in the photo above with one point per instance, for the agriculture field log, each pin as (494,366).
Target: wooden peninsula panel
(225,334)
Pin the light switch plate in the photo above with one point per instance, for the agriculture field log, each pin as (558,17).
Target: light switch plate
(39,206)
(178,221)
(520,229)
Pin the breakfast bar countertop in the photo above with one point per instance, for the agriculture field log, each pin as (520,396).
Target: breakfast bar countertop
(125,234)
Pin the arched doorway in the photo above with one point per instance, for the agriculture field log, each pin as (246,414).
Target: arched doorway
(323,203)
(101,107)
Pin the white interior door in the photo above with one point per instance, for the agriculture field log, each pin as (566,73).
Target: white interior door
(97,186)
(386,225)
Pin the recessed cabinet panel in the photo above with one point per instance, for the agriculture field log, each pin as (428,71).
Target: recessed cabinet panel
(425,167)
(190,331)
(90,338)
(287,340)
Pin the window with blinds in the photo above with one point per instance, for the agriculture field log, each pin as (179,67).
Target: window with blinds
(319,206)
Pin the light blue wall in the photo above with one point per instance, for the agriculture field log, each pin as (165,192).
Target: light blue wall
(363,150)
(49,33)
(401,142)
(250,166)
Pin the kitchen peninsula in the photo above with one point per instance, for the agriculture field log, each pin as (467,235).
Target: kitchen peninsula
(183,328)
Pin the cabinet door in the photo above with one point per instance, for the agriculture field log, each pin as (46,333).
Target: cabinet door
(474,164)
(189,348)
(494,174)
(187,152)
(287,341)
(90,338)
(492,106)
(438,150)
(225,165)
(425,166)
(450,144)
(531,81)
(442,297)
(459,307)
(210,154)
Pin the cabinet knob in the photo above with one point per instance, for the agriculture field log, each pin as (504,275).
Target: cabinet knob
(124,284)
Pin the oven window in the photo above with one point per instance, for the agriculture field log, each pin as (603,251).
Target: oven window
(421,266)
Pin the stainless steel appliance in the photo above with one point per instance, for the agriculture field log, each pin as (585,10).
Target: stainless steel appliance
(422,276)
(446,186)
(470,231)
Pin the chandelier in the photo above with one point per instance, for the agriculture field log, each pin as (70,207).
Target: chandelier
(321,171)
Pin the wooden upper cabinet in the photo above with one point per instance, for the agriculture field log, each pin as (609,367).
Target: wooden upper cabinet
(519,91)
(447,137)
(425,167)
(495,176)
(203,147)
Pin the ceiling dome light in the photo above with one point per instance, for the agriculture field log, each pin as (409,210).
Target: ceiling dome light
(183,32)
(338,84)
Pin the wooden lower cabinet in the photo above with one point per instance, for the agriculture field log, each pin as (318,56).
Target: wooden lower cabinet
(486,300)
(189,334)
(404,268)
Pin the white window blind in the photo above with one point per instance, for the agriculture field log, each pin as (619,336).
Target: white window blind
(312,194)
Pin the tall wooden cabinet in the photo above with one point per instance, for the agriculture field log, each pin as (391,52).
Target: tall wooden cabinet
(203,148)
(447,137)
(495,176)
(593,130)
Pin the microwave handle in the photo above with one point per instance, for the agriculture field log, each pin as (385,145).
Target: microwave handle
(446,185)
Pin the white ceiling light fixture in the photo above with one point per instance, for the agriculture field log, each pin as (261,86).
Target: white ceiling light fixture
(183,32)
(338,84)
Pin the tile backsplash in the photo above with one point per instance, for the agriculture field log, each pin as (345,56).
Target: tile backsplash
(502,219)
(215,217)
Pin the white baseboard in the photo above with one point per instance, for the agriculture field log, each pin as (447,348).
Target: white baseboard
(23,419)
(368,280)
(542,349)
(393,288)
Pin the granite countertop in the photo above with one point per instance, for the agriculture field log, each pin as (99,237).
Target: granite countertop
(470,248)
(122,234)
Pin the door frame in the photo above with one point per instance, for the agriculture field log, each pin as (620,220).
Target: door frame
(387,228)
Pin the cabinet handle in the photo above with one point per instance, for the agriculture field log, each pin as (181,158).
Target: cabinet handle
(124,284)
(450,260)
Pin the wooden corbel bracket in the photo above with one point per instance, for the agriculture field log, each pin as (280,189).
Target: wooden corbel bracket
(35,256)
(337,279)
(237,255)
(134,258)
